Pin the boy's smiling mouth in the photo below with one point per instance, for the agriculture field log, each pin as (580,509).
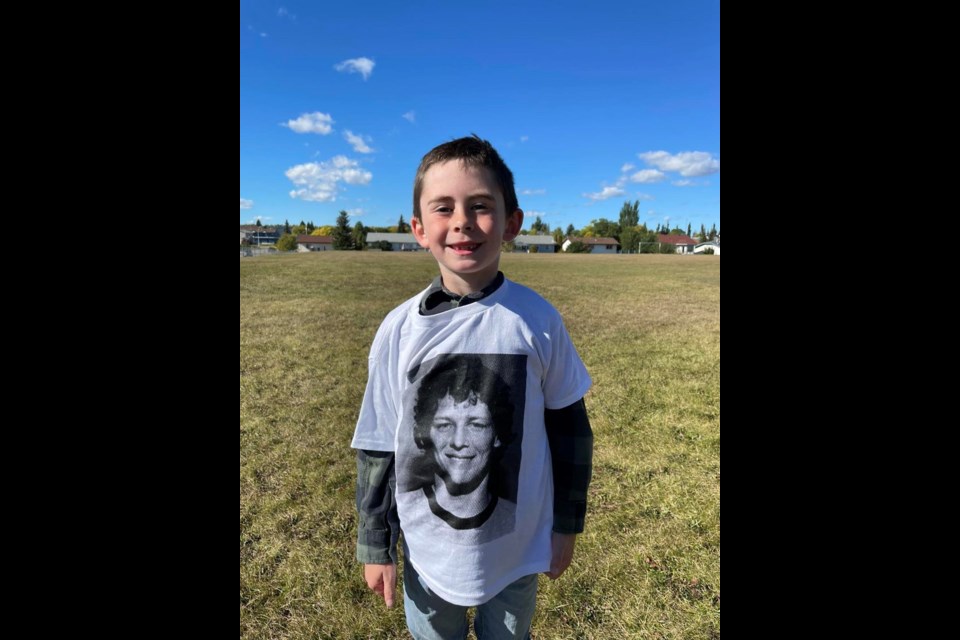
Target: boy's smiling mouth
(464,248)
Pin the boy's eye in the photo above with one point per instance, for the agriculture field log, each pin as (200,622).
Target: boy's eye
(480,205)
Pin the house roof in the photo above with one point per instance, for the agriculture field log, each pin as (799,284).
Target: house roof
(314,239)
(535,240)
(668,239)
(393,238)
(594,241)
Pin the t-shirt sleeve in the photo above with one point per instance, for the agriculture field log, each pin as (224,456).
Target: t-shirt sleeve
(379,412)
(566,379)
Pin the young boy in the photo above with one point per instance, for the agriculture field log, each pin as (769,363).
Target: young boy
(473,437)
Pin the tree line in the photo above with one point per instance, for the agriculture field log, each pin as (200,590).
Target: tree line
(632,236)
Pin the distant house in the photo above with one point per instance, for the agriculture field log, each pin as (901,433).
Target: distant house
(598,245)
(544,244)
(703,246)
(258,235)
(684,244)
(314,243)
(398,241)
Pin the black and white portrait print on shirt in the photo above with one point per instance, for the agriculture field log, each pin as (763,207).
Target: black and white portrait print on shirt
(462,436)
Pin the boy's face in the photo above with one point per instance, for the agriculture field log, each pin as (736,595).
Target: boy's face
(463,439)
(464,223)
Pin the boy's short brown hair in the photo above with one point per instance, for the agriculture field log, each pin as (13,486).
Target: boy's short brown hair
(472,152)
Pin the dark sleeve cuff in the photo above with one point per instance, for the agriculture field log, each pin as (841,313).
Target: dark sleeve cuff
(374,546)
(568,517)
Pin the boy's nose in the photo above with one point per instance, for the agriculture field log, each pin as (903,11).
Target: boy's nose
(462,221)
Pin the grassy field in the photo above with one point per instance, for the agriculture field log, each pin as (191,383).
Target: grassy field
(648,329)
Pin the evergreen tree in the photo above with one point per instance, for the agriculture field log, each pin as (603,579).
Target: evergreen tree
(703,234)
(359,236)
(689,230)
(342,236)
(402,227)
(713,232)
(286,227)
(571,231)
(259,224)
(310,227)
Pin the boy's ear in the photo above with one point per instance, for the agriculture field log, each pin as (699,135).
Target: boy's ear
(514,224)
(416,226)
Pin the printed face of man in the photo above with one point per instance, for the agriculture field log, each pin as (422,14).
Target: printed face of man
(463,439)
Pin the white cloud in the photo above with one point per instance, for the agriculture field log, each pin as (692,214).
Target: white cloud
(318,181)
(627,167)
(263,35)
(606,194)
(689,164)
(524,138)
(357,141)
(683,183)
(648,176)
(283,12)
(315,122)
(410,116)
(246,204)
(533,192)
(530,215)
(363,66)
(644,196)
(356,213)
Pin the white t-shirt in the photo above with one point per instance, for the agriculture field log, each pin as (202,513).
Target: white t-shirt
(459,397)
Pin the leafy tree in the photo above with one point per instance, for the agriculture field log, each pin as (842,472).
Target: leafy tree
(579,247)
(603,228)
(629,219)
(287,242)
(666,247)
(558,235)
(677,231)
(630,214)
(359,237)
(342,236)
(383,245)
(325,230)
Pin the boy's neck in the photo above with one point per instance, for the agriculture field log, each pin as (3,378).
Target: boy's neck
(467,283)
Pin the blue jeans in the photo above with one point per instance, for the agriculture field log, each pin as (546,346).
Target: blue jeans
(507,615)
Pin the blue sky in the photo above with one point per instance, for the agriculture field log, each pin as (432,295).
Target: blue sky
(590,104)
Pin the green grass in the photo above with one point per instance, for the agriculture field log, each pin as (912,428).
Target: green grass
(648,329)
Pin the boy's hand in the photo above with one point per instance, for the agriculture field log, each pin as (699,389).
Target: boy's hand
(561,553)
(382,579)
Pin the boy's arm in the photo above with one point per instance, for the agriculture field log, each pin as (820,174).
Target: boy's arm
(571,450)
(378,532)
(379,527)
